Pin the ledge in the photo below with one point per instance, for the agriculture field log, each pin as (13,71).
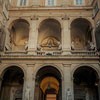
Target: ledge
(48,57)
(51,8)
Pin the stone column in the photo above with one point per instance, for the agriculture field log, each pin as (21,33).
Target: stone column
(66,38)
(68,82)
(33,36)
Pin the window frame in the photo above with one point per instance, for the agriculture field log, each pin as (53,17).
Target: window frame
(95,9)
(22,3)
(50,2)
(79,2)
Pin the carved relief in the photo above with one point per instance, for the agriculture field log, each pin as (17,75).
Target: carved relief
(49,35)
(50,42)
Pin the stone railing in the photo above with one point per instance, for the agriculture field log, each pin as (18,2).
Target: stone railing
(15,52)
(83,52)
(54,53)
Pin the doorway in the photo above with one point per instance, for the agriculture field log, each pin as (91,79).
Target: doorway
(48,84)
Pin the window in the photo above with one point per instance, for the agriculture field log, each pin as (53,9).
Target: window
(22,2)
(50,2)
(96,9)
(78,2)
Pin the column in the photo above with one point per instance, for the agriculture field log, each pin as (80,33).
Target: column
(68,82)
(33,36)
(66,38)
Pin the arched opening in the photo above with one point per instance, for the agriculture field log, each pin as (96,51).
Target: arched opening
(19,35)
(12,84)
(86,84)
(49,35)
(81,35)
(48,85)
(97,35)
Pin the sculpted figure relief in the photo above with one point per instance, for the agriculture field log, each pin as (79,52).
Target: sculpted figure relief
(27,93)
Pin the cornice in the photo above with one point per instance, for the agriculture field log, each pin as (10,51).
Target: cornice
(46,57)
(50,8)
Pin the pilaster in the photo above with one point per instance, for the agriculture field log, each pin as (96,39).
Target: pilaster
(36,2)
(68,82)
(28,83)
(33,35)
(64,2)
(66,38)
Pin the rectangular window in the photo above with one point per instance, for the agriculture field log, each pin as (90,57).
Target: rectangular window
(96,9)
(22,2)
(78,2)
(50,2)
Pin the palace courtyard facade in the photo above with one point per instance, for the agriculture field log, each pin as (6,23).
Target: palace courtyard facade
(49,49)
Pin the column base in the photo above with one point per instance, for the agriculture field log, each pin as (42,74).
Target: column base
(66,52)
(32,52)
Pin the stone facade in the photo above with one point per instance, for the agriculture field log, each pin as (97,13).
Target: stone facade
(49,52)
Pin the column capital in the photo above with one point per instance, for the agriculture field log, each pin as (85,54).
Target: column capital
(65,17)
(34,17)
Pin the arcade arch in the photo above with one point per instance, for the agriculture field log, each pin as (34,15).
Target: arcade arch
(81,35)
(49,37)
(86,84)
(12,83)
(48,84)
(19,35)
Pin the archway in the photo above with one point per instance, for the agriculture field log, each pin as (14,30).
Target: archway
(49,35)
(12,84)
(81,35)
(48,84)
(19,35)
(86,84)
